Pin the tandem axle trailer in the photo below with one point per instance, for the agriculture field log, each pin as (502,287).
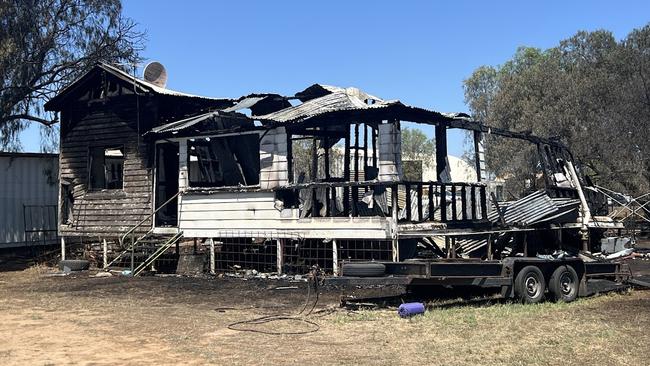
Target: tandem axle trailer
(528,279)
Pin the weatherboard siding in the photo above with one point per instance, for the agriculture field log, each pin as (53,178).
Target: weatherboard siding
(253,214)
(106,212)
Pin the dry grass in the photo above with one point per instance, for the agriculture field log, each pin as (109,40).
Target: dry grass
(82,320)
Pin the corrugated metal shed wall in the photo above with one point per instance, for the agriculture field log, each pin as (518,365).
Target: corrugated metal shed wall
(25,179)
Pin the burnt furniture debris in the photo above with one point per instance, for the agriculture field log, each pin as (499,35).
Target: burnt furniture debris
(281,183)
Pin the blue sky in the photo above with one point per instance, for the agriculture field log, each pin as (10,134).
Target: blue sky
(415,51)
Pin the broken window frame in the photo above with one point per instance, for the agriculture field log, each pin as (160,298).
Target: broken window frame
(198,184)
(357,140)
(116,181)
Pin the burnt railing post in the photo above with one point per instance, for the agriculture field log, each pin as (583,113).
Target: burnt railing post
(420,204)
(314,202)
(431,210)
(453,203)
(463,202)
(394,202)
(483,203)
(473,201)
(407,186)
(355,199)
(443,203)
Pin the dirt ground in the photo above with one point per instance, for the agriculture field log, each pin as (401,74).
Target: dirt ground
(84,320)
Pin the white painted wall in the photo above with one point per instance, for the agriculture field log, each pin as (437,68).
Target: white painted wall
(27,179)
(253,214)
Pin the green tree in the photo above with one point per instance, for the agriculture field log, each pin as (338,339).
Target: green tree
(418,151)
(590,91)
(44,44)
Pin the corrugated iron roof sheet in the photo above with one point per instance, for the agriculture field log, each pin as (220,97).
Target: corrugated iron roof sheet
(341,100)
(320,100)
(153,87)
(245,103)
(142,85)
(531,209)
(221,118)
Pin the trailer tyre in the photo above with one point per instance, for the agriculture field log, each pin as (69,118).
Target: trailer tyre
(530,285)
(74,264)
(564,284)
(363,269)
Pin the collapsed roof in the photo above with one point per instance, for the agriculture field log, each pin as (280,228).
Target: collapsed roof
(141,86)
(320,105)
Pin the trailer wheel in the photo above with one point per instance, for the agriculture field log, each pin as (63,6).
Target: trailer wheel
(363,269)
(530,285)
(564,284)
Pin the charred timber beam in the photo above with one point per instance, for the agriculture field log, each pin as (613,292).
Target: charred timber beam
(463,202)
(418,116)
(431,193)
(443,203)
(453,203)
(408,201)
(420,204)
(441,150)
(356,152)
(327,158)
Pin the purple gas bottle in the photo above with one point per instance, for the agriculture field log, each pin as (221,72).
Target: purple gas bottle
(410,309)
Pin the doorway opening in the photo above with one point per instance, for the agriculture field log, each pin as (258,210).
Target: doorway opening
(166,184)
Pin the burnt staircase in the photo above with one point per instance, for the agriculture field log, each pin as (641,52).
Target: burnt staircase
(150,249)
(149,252)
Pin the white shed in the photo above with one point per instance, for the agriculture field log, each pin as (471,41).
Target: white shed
(28,199)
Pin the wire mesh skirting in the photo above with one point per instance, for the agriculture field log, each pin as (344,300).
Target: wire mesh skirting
(365,250)
(245,253)
(299,255)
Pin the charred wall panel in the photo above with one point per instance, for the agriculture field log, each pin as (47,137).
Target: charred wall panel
(106,212)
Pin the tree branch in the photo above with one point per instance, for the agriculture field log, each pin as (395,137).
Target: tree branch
(29,118)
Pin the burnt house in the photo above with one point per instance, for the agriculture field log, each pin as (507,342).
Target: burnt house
(106,167)
(280,183)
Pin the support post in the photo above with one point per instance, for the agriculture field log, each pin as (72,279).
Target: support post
(447,250)
(441,151)
(212,256)
(356,152)
(335,258)
(585,213)
(290,158)
(395,212)
(105,247)
(489,247)
(479,157)
(395,249)
(453,247)
(314,160)
(62,248)
(327,158)
(279,246)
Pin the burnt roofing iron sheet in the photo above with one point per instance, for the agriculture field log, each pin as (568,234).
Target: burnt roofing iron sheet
(531,209)
(244,104)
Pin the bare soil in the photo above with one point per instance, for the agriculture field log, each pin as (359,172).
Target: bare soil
(84,320)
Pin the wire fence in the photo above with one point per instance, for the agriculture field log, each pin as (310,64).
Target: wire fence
(298,255)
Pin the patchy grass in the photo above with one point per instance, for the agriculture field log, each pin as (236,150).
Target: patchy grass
(83,320)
